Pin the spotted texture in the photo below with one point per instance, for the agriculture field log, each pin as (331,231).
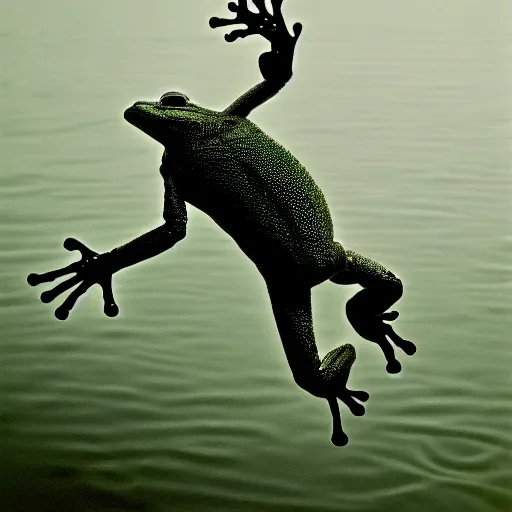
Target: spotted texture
(261,195)
(337,364)
(292,312)
(364,271)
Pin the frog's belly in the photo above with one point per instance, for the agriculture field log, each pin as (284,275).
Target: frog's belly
(274,245)
(275,237)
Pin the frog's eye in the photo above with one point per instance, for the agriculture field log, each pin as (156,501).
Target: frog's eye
(174,99)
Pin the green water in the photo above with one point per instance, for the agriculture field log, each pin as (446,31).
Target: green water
(401,111)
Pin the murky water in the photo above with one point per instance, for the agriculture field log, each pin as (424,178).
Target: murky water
(401,111)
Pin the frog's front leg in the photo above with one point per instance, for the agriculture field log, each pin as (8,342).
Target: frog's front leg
(276,65)
(325,379)
(94,268)
(366,311)
(88,271)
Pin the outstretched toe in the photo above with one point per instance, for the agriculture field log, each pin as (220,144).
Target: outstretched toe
(393,366)
(355,407)
(216,22)
(388,352)
(90,269)
(111,310)
(297,30)
(62,312)
(269,25)
(50,295)
(408,347)
(110,307)
(389,316)
(240,34)
(260,5)
(34,279)
(362,396)
(70,244)
(405,345)
(338,437)
(376,329)
(48,277)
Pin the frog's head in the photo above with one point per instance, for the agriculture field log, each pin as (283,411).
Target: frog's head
(173,119)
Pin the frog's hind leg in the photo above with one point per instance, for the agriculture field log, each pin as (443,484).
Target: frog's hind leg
(366,311)
(327,379)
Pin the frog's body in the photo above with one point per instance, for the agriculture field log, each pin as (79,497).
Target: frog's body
(258,192)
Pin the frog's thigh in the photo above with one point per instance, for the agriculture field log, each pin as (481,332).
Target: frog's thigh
(381,289)
(358,269)
(292,312)
(323,265)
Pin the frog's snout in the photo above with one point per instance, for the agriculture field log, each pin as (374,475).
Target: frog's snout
(129,114)
(137,111)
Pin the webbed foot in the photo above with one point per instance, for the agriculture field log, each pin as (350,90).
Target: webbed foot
(276,64)
(335,369)
(366,310)
(338,437)
(89,270)
(376,330)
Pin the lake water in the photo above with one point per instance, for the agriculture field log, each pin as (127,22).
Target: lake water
(401,110)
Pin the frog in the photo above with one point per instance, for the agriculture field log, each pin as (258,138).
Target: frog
(223,164)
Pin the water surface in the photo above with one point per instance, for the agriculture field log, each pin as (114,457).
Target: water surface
(401,111)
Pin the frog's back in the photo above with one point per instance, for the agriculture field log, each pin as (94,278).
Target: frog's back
(261,195)
(285,179)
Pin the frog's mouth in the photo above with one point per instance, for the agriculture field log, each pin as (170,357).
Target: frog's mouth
(161,122)
(152,109)
(147,117)
(142,109)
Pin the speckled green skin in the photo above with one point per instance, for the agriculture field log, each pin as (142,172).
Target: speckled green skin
(259,193)
(251,186)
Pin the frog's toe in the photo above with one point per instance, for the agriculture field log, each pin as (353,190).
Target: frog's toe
(240,34)
(35,279)
(338,437)
(376,330)
(393,366)
(70,244)
(50,295)
(389,316)
(355,407)
(62,312)
(47,277)
(349,399)
(362,396)
(110,308)
(216,22)
(262,22)
(408,347)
